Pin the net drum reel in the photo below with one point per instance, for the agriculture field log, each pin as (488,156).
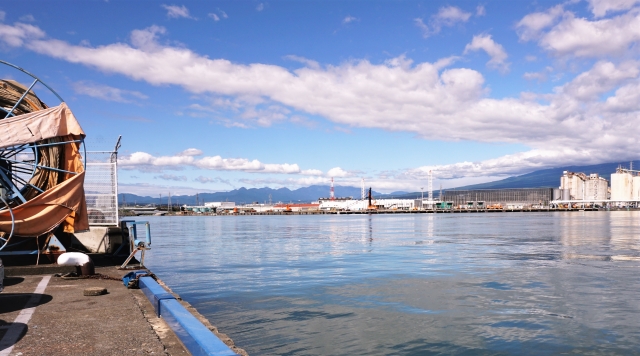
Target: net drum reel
(29,168)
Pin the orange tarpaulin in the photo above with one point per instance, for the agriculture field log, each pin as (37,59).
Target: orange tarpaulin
(63,201)
(39,125)
(46,211)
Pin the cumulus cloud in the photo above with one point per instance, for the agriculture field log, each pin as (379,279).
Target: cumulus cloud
(148,163)
(494,50)
(580,121)
(214,16)
(15,35)
(600,8)
(105,92)
(311,172)
(601,78)
(190,152)
(531,26)
(337,172)
(562,33)
(175,12)
(447,16)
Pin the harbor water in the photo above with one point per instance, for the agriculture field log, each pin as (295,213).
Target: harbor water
(504,283)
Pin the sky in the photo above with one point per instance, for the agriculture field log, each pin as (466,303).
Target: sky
(217,95)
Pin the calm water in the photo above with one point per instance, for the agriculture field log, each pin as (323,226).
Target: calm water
(513,283)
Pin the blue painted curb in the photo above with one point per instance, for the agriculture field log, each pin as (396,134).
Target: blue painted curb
(192,333)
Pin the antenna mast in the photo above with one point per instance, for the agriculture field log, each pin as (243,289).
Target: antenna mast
(362,189)
(332,195)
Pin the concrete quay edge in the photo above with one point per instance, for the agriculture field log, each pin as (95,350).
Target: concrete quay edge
(173,344)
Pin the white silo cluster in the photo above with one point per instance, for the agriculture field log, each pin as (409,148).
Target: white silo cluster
(579,186)
(625,185)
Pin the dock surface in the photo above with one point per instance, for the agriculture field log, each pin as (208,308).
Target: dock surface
(47,315)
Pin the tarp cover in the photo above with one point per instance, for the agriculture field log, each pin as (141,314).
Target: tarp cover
(38,125)
(62,203)
(45,212)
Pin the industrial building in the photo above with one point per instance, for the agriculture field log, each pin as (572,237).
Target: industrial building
(512,198)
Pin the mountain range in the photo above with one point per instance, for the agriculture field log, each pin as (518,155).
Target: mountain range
(537,179)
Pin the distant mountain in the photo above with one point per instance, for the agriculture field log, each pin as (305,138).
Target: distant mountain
(245,196)
(539,179)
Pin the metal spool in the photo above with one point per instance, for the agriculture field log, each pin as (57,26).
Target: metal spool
(29,169)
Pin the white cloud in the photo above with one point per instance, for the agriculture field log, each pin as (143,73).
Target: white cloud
(583,38)
(601,78)
(337,172)
(626,100)
(148,163)
(16,35)
(600,8)
(531,25)
(494,50)
(311,172)
(447,16)
(480,10)
(349,19)
(2,15)
(105,92)
(223,14)
(172,177)
(190,152)
(260,7)
(450,15)
(175,12)
(214,16)
(561,33)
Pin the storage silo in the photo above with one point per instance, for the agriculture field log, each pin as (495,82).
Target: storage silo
(621,186)
(635,188)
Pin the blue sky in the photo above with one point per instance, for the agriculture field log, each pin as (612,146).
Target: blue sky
(216,95)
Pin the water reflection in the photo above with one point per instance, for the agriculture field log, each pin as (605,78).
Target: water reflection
(407,284)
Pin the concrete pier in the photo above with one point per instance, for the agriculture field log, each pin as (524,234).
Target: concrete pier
(45,315)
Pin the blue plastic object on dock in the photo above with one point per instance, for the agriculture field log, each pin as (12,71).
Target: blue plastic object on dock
(192,333)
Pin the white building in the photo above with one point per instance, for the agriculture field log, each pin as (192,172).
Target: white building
(220,205)
(579,186)
(357,205)
(622,186)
